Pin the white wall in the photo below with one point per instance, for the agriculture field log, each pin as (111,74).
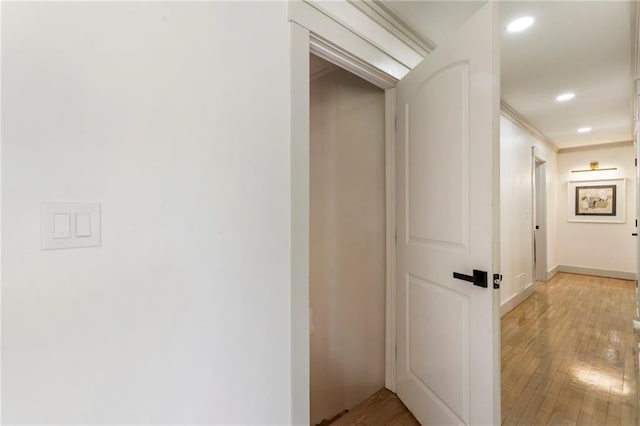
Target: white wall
(175,117)
(347,224)
(516,207)
(600,246)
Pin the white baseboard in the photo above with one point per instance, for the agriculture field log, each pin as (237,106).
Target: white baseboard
(597,272)
(517,299)
(551,272)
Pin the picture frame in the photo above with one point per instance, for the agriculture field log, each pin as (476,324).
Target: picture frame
(597,201)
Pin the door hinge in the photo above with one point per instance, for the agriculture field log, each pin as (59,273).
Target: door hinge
(497,280)
(396,238)
(636,162)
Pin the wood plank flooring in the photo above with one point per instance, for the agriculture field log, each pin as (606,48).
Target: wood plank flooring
(567,354)
(383,408)
(567,359)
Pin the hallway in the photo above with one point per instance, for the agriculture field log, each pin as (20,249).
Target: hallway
(567,354)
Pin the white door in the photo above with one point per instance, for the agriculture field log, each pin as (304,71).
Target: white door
(447,209)
(635,233)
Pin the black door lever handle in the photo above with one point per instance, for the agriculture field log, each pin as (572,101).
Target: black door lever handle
(479,278)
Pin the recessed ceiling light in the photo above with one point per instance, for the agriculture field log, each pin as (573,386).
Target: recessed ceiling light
(584,129)
(565,97)
(520,24)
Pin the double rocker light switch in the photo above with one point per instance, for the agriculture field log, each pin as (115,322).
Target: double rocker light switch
(69,225)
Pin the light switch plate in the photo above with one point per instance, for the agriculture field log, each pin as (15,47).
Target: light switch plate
(70,225)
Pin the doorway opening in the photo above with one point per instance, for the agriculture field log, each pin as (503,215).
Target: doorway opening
(347,246)
(539,219)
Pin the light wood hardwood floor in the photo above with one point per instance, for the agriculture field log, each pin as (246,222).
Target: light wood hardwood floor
(382,408)
(567,354)
(567,359)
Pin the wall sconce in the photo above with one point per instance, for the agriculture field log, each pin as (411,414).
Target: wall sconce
(593,167)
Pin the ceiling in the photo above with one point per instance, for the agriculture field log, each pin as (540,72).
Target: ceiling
(573,46)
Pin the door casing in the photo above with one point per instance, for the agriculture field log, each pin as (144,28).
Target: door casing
(303,43)
(312,32)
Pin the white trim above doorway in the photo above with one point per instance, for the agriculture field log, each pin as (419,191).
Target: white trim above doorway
(342,58)
(343,25)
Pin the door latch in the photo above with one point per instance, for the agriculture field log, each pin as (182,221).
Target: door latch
(497,280)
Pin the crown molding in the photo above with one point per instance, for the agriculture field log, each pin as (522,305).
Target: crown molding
(386,18)
(596,146)
(518,119)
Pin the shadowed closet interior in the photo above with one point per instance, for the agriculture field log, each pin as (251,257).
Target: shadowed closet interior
(347,240)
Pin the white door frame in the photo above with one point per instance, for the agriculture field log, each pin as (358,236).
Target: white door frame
(299,151)
(300,168)
(314,30)
(304,43)
(539,216)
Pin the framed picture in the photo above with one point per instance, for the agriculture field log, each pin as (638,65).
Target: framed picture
(597,201)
